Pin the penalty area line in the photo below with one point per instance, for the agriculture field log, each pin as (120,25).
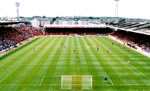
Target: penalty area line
(42,80)
(83,84)
(111,81)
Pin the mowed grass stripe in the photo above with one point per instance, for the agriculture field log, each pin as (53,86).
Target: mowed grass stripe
(24,73)
(119,49)
(125,69)
(50,62)
(133,52)
(11,67)
(77,60)
(137,73)
(17,50)
(108,68)
(104,65)
(82,58)
(81,55)
(42,70)
(139,77)
(47,65)
(68,68)
(96,70)
(63,65)
(20,53)
(60,65)
(19,69)
(91,60)
(72,58)
(35,68)
(73,55)
(122,67)
(51,69)
(141,63)
(113,78)
(14,73)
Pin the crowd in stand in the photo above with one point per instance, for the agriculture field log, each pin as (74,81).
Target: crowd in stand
(78,31)
(134,39)
(11,36)
(81,34)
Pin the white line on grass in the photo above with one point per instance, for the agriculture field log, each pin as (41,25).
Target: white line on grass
(111,81)
(59,84)
(42,80)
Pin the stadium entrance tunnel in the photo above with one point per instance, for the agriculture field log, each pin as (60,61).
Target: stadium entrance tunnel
(80,31)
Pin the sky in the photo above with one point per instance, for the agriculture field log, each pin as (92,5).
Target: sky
(52,8)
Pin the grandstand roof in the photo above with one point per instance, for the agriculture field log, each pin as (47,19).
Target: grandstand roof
(142,28)
(9,22)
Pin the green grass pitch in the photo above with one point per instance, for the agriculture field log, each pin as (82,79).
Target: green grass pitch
(41,68)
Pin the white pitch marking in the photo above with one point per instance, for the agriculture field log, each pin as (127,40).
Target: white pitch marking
(42,79)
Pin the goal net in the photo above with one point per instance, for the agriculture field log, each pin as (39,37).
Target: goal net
(76,82)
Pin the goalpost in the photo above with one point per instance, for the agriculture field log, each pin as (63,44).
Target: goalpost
(76,82)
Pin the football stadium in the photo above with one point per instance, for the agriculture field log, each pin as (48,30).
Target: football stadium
(94,58)
(74,53)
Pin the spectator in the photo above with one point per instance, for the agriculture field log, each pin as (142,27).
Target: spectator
(11,36)
(133,39)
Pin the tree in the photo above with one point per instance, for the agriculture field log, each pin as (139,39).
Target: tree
(122,20)
(44,16)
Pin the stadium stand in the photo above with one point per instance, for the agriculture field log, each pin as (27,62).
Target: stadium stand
(134,39)
(81,31)
(135,34)
(11,36)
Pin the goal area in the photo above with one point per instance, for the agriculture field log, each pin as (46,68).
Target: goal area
(76,82)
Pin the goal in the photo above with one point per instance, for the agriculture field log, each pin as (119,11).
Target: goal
(76,82)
